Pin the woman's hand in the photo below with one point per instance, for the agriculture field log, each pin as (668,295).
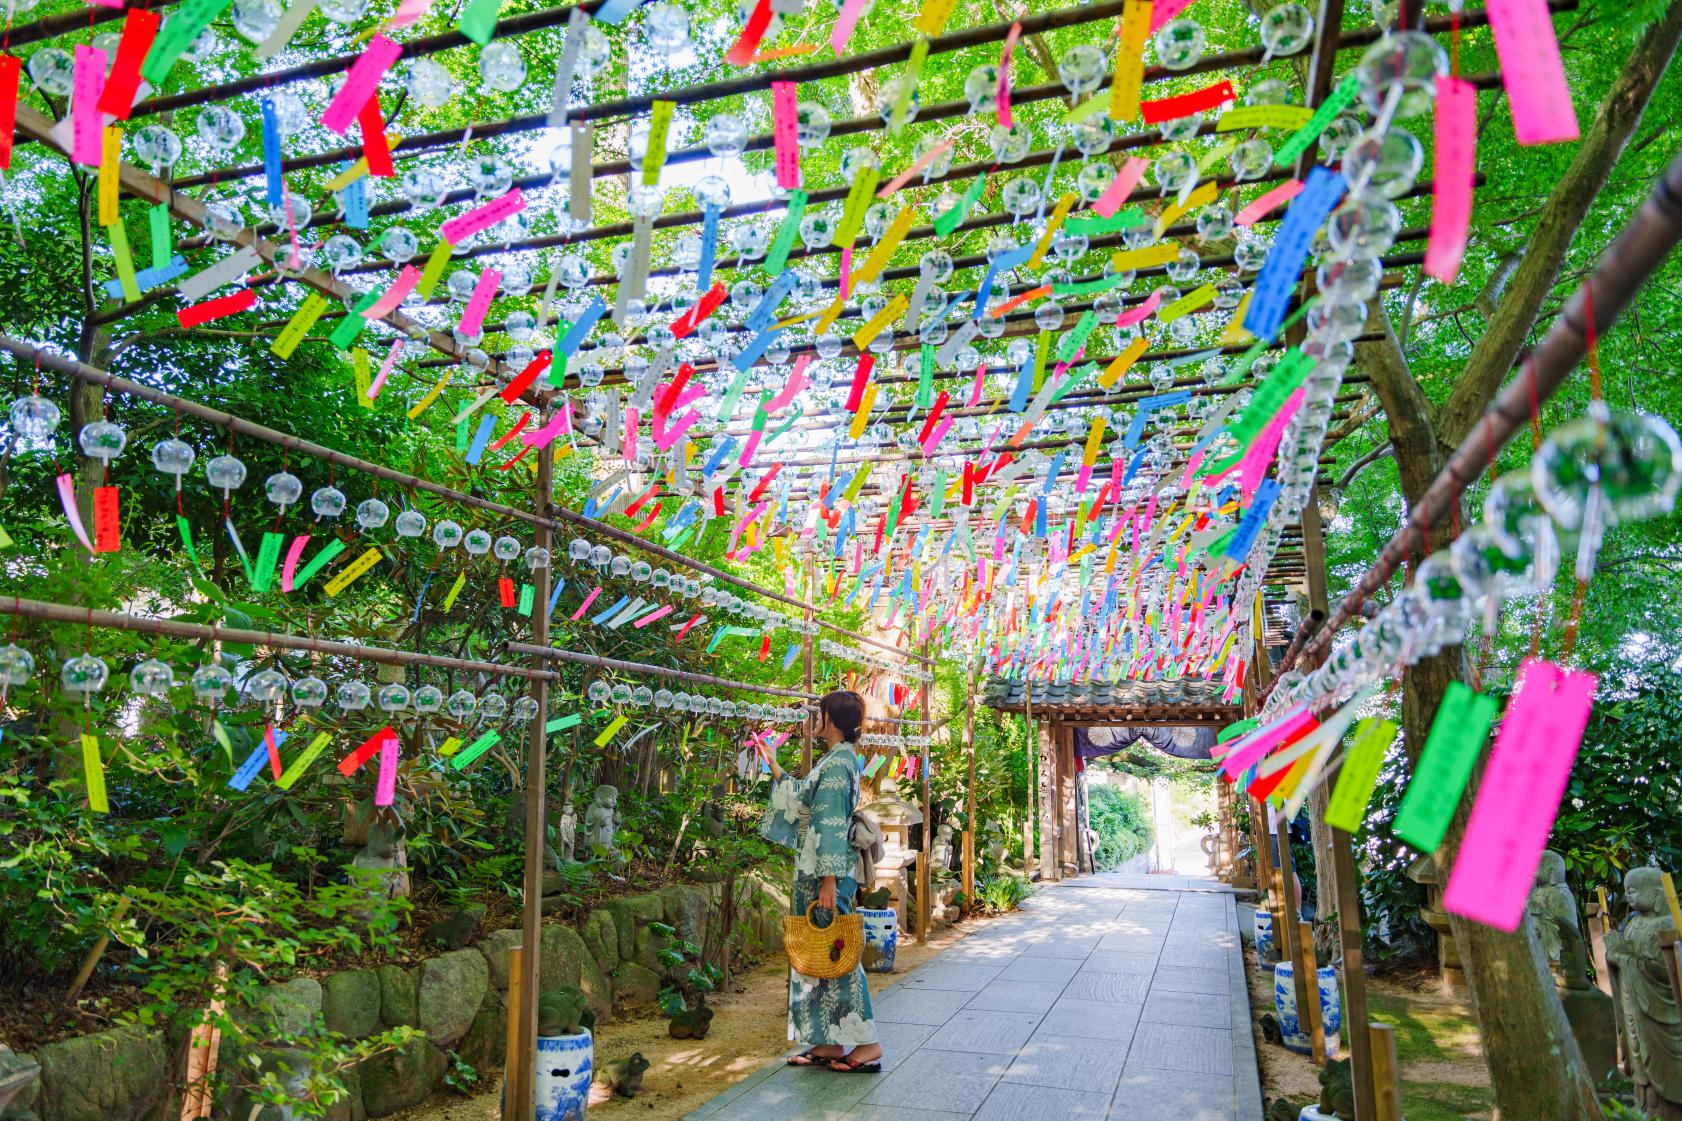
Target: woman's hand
(826,893)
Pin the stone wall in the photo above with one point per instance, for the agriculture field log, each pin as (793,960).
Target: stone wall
(458,999)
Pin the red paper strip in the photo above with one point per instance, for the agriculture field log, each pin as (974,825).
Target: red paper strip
(933,417)
(1198,101)
(693,619)
(664,399)
(522,381)
(351,763)
(709,303)
(631,510)
(747,44)
(504,440)
(274,751)
(106,523)
(375,148)
(219,308)
(505,591)
(759,489)
(764,647)
(9,69)
(718,501)
(140,27)
(785,135)
(653,513)
(861,378)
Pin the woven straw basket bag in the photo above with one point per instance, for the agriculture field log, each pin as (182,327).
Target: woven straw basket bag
(823,951)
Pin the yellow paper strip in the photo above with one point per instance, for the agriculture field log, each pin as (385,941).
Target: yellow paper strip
(1202,196)
(425,403)
(1187,303)
(1143,258)
(118,236)
(794,320)
(349,175)
(859,197)
(862,417)
(1263,116)
(1094,439)
(450,746)
(935,13)
(353,571)
(299,325)
(611,730)
(435,266)
(854,487)
(884,250)
(654,158)
(1085,109)
(296,768)
(364,378)
(873,327)
(1670,898)
(829,316)
(455,589)
(1058,213)
(93,769)
(1119,365)
(908,84)
(1235,334)
(1130,60)
(110,164)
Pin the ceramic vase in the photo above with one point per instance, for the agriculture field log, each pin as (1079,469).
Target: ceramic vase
(563,1076)
(1285,1006)
(1265,951)
(1312,1113)
(881,938)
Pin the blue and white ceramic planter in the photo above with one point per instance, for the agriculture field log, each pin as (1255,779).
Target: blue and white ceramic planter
(563,1076)
(881,939)
(1285,1005)
(1264,937)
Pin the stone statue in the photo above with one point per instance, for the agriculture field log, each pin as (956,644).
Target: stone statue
(514,830)
(998,843)
(383,856)
(601,822)
(1650,1027)
(1554,911)
(567,842)
(940,858)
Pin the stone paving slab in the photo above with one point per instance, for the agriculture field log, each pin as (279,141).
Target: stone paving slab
(1107,998)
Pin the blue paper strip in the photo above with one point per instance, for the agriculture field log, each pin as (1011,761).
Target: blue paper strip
(610,612)
(276,193)
(709,247)
(756,347)
(150,278)
(476,450)
(354,200)
(1238,545)
(254,762)
(615,11)
(765,311)
(1279,273)
(1004,262)
(586,321)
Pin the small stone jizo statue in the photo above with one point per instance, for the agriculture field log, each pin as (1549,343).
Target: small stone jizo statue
(940,858)
(1554,912)
(601,822)
(1650,1026)
(566,841)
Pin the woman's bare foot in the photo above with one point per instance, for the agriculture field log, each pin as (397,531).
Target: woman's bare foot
(817,1056)
(866,1056)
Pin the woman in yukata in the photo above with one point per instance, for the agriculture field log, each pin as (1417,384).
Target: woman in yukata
(831,1016)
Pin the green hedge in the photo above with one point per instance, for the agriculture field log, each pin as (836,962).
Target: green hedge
(1121,818)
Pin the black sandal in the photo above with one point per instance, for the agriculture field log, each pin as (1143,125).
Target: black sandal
(811,1058)
(845,1065)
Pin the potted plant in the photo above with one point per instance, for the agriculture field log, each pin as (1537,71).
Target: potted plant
(565,1051)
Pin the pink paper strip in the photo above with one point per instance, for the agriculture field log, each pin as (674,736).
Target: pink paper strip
(72,514)
(1519,798)
(1451,189)
(386,367)
(749,448)
(1083,477)
(1142,312)
(1532,72)
(785,134)
(1259,208)
(796,382)
(846,269)
(393,297)
(667,435)
(917,166)
(361,82)
(975,389)
(473,316)
(87,124)
(1001,95)
(653,617)
(1164,10)
(585,606)
(1192,465)
(408,12)
(1256,461)
(939,434)
(293,554)
(547,434)
(1250,749)
(851,10)
(1121,187)
(628,451)
(385,789)
(463,226)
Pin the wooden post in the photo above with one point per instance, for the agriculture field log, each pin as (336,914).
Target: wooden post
(1028,819)
(511,1073)
(973,829)
(1049,804)
(1315,1022)
(1387,1094)
(806,730)
(1307,987)
(203,1044)
(1355,1010)
(518,1099)
(925,870)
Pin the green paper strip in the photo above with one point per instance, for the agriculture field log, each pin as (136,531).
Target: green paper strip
(436,263)
(1074,340)
(925,378)
(1088,287)
(611,730)
(1451,749)
(478,20)
(733,394)
(937,497)
(268,555)
(177,34)
(163,245)
(1355,780)
(187,539)
(1323,117)
(562,723)
(298,765)
(328,551)
(462,435)
(778,256)
(475,749)
(944,224)
(527,593)
(558,362)
(908,83)
(1090,224)
(1042,351)
(351,326)
(1073,381)
(118,237)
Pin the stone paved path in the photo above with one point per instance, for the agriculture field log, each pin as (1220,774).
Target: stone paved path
(1108,998)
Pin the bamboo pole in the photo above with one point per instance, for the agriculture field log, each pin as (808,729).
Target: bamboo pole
(925,870)
(514,1061)
(97,951)
(972,830)
(1386,1090)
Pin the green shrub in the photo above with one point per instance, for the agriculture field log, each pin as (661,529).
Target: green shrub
(1004,892)
(1122,821)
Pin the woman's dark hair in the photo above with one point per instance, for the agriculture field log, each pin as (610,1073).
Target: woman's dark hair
(845,710)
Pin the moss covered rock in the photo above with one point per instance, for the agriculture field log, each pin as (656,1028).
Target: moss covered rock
(114,1075)
(452,986)
(399,997)
(350,1003)
(402,1077)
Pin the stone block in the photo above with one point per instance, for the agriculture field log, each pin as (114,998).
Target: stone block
(631,916)
(1590,1014)
(399,998)
(452,986)
(601,938)
(349,1107)
(483,1046)
(350,1003)
(497,946)
(635,988)
(291,1007)
(402,1077)
(688,907)
(114,1075)
(562,958)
